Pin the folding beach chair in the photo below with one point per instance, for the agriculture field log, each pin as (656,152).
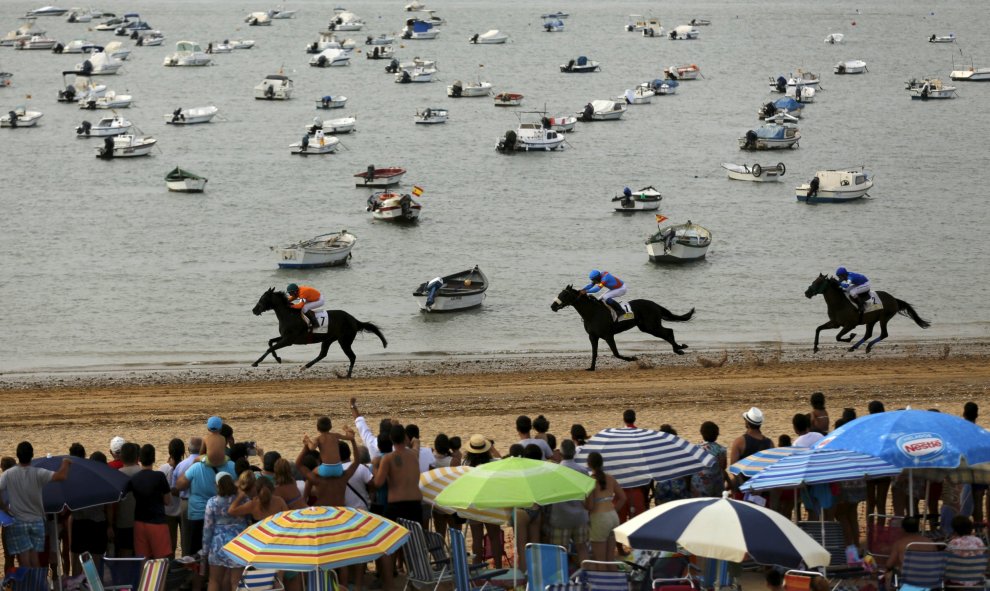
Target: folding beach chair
(321,580)
(436,545)
(966,572)
(547,566)
(259,579)
(153,575)
(27,579)
(124,572)
(603,580)
(422,572)
(465,575)
(920,568)
(799,580)
(829,535)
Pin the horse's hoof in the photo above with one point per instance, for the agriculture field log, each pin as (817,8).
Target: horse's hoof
(342,375)
(815,350)
(684,346)
(851,349)
(679,351)
(255,364)
(303,368)
(589,368)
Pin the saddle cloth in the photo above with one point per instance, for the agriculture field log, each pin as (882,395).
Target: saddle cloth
(625,306)
(323,322)
(873,304)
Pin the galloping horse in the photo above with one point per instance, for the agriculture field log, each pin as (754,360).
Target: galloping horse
(844,314)
(647,317)
(293,330)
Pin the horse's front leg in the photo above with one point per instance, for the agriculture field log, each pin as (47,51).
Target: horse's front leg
(594,351)
(818,332)
(280,343)
(615,351)
(844,330)
(274,354)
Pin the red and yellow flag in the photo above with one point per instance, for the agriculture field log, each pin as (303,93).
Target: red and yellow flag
(417,190)
(661,218)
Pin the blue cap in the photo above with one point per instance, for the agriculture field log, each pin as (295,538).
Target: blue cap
(214,424)
(841,272)
(595,274)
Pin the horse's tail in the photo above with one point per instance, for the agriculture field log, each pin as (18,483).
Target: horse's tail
(369,327)
(666,314)
(906,309)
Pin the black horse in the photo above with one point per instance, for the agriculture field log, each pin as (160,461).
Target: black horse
(647,316)
(844,315)
(293,330)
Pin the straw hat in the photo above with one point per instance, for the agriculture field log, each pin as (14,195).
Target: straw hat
(753,416)
(478,444)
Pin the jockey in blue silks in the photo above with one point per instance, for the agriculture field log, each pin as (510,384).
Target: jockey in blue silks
(614,287)
(856,285)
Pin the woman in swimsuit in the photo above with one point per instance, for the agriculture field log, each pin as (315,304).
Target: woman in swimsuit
(602,503)
(285,485)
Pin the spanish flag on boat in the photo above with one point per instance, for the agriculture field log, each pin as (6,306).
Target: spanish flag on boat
(417,190)
(661,218)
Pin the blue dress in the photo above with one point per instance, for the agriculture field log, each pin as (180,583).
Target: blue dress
(219,528)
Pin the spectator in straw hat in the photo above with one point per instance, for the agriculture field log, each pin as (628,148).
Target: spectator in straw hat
(752,440)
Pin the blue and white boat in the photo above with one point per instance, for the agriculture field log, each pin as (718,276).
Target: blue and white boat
(553,25)
(835,186)
(417,29)
(132,22)
(581,65)
(663,87)
(770,137)
(787,105)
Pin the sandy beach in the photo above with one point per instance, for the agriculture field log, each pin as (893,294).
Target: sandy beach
(276,405)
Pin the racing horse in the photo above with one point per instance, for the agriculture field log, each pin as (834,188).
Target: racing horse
(844,315)
(647,316)
(293,330)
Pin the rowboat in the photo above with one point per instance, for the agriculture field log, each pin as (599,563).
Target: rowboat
(183,181)
(379,177)
(325,250)
(458,291)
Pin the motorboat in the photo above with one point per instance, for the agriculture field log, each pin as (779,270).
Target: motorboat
(125,146)
(756,173)
(20,116)
(241,43)
(417,62)
(393,207)
(679,243)
(117,51)
(850,67)
(132,23)
(325,250)
(152,39)
(320,144)
(219,47)
(684,32)
(784,104)
(431,115)
(332,126)
(602,110)
(531,137)
(508,99)
(328,101)
(559,14)
(472,89)
(382,39)
(109,100)
(99,64)
(331,58)
(80,15)
(553,25)
(950,38)
(275,87)
(782,118)
(80,86)
(107,126)
(431,17)
(663,87)
(183,181)
(799,79)
(187,53)
(23,32)
(47,11)
(281,13)
(930,88)
(834,38)
(491,37)
(36,42)
(191,115)
(379,177)
(417,74)
(581,65)
(418,29)
(971,74)
(770,136)
(641,95)
(459,291)
(802,94)
(653,29)
(346,21)
(562,123)
(415,6)
(685,72)
(835,186)
(328,40)
(112,24)
(77,46)
(645,199)
(700,22)
(258,19)
(635,23)
(380,52)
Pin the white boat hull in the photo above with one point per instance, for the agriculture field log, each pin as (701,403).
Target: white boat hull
(192,117)
(766,174)
(303,258)
(801,193)
(130,150)
(971,75)
(330,145)
(29,119)
(637,205)
(333,103)
(443,303)
(186,185)
(678,253)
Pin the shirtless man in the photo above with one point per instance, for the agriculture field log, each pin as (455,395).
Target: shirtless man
(398,470)
(329,492)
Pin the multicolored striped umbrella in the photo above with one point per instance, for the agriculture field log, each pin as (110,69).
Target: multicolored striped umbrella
(433,483)
(752,465)
(317,538)
(637,457)
(819,466)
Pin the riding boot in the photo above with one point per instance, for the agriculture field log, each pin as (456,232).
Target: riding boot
(617,307)
(313,323)
(861,304)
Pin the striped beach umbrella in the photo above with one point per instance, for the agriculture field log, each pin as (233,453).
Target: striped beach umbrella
(819,466)
(753,464)
(637,457)
(432,483)
(317,538)
(722,529)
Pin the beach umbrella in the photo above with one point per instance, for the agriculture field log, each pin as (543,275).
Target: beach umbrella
(723,529)
(818,466)
(89,484)
(755,463)
(637,457)
(432,483)
(979,474)
(317,538)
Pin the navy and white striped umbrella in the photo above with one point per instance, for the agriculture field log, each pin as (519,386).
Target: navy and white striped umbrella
(723,529)
(636,457)
(819,466)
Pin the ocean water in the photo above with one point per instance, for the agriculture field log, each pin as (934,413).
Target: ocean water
(103,267)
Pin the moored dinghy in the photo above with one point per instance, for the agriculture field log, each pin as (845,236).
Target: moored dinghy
(275,87)
(125,146)
(328,101)
(850,67)
(320,144)
(836,186)
(755,173)
(685,72)
(581,65)
(431,115)
(191,116)
(379,177)
(602,110)
(562,123)
(645,199)
(678,243)
(950,38)
(187,54)
(20,117)
(508,99)
(458,291)
(107,126)
(770,136)
(930,88)
(472,89)
(531,137)
(325,250)
(492,37)
(683,33)
(183,181)
(394,207)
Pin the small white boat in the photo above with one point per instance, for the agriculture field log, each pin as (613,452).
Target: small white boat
(645,199)
(132,23)
(332,126)
(553,25)
(382,39)
(971,74)
(415,6)
(281,13)
(950,38)
(770,136)
(346,21)
(20,117)
(125,146)
(219,47)
(834,38)
(99,64)
(635,23)
(325,250)
(653,29)
(472,89)
(508,99)
(77,46)
(331,102)
(109,100)
(117,51)
(36,42)
(491,37)
(258,19)
(380,52)
(331,58)
(679,243)
(379,177)
(562,123)
(328,40)
(80,15)
(641,95)
(80,86)
(418,29)
(394,207)
(241,43)
(431,115)
(581,65)
(684,32)
(531,137)
(700,22)
(685,72)
(602,111)
(802,94)
(107,126)
(275,87)
(417,74)
(191,115)
(459,291)
(47,11)
(662,87)
(799,79)
(187,54)
(835,186)
(112,24)
(151,39)
(850,67)
(320,144)
(931,88)
(756,173)
(558,14)
(183,181)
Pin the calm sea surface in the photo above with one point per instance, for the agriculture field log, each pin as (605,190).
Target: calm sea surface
(101,266)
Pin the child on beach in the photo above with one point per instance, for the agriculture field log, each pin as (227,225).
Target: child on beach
(328,444)
(215,443)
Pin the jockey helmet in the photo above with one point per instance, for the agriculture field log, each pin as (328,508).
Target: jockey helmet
(595,275)
(293,288)
(841,272)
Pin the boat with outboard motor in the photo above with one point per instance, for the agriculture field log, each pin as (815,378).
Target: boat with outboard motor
(458,291)
(645,199)
(125,146)
(331,58)
(107,126)
(258,19)
(581,65)
(379,177)
(756,173)
(553,25)
(508,99)
(930,88)
(684,33)
(850,67)
(183,181)
(187,54)
(678,243)
(653,29)
(20,116)
(325,250)
(491,37)
(770,136)
(393,207)
(345,21)
(685,72)
(329,101)
(338,126)
(431,115)
(836,186)
(108,100)
(319,144)
(78,86)
(531,136)
(191,115)
(472,89)
(785,104)
(662,87)
(275,87)
(799,79)
(36,42)
(380,52)
(602,110)
(416,29)
(950,38)
(834,38)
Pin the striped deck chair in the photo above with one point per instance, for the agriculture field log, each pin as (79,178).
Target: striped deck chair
(922,569)
(603,580)
(422,573)
(153,575)
(436,545)
(966,572)
(321,580)
(464,575)
(27,579)
(547,566)
(259,579)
